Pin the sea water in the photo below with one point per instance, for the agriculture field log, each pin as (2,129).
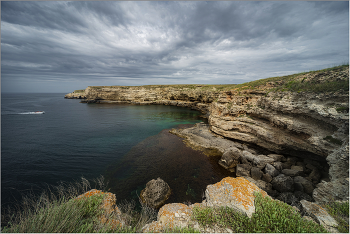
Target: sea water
(128,144)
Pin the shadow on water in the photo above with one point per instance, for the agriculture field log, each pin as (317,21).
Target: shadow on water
(187,171)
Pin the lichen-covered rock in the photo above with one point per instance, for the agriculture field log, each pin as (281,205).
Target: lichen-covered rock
(319,214)
(156,193)
(111,214)
(237,193)
(283,183)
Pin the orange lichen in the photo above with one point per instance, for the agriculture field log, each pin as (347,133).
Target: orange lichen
(108,206)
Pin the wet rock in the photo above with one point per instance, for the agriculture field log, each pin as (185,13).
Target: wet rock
(156,193)
(271,170)
(283,183)
(319,214)
(230,158)
(267,178)
(243,170)
(307,185)
(256,173)
(237,193)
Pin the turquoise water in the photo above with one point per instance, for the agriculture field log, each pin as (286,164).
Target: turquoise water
(73,139)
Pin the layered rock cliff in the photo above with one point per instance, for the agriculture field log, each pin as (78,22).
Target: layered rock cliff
(304,115)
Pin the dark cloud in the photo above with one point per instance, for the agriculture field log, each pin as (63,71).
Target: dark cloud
(137,43)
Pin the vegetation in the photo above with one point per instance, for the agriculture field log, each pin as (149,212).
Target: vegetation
(343,109)
(340,212)
(270,216)
(79,91)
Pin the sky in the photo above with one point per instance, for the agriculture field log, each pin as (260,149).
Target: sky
(62,46)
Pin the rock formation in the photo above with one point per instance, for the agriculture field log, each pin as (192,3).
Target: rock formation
(156,193)
(305,128)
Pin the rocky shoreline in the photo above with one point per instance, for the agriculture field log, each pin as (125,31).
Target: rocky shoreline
(292,144)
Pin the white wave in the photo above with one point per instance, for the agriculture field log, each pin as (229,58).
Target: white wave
(33,113)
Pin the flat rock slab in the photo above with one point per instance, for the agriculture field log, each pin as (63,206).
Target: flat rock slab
(319,214)
(237,193)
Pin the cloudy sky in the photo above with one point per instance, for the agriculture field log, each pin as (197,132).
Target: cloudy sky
(63,46)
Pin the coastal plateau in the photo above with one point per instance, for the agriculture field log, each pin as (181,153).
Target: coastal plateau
(304,118)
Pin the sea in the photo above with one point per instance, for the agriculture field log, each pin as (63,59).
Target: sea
(126,144)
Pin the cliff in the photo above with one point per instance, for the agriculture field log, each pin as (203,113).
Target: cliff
(304,115)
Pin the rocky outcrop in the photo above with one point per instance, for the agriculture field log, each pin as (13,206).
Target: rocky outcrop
(156,193)
(300,126)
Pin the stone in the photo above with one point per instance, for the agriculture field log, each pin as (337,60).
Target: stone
(278,166)
(286,165)
(230,158)
(326,192)
(267,187)
(300,164)
(271,170)
(110,213)
(243,170)
(256,173)
(319,214)
(297,168)
(289,198)
(267,178)
(292,160)
(237,193)
(302,196)
(307,185)
(156,193)
(290,172)
(263,160)
(276,157)
(314,176)
(249,156)
(298,187)
(283,183)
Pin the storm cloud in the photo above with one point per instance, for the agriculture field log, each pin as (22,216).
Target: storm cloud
(62,46)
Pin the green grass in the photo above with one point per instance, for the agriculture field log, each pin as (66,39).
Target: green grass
(270,216)
(343,109)
(340,212)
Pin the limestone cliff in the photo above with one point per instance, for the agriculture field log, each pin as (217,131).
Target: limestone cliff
(304,115)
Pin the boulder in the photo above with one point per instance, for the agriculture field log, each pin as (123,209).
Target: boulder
(250,157)
(290,172)
(307,185)
(256,173)
(267,178)
(243,170)
(237,193)
(156,193)
(283,183)
(263,160)
(278,166)
(271,170)
(267,187)
(292,160)
(230,158)
(298,187)
(326,192)
(286,165)
(319,214)
(297,168)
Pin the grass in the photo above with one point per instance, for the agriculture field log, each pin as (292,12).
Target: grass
(342,109)
(270,216)
(340,212)
(58,211)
